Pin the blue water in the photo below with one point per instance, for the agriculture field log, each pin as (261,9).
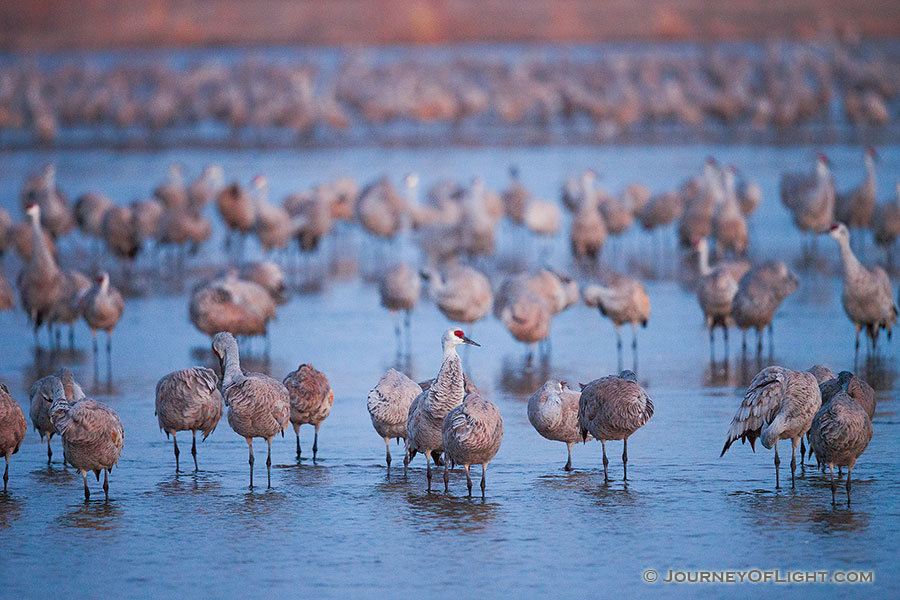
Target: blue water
(342,526)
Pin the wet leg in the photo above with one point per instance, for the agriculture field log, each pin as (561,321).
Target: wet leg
(194,449)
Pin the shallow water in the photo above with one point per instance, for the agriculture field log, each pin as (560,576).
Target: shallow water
(343,525)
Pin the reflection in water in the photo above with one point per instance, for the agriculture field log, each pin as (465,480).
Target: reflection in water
(188,483)
(522,376)
(95,514)
(805,507)
(10,509)
(439,512)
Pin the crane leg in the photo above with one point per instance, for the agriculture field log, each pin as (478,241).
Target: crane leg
(849,471)
(625,460)
(794,444)
(483,478)
(87,492)
(316,443)
(106,484)
(297,431)
(568,466)
(269,464)
(250,446)
(6,474)
(605,463)
(802,452)
(833,486)
(194,450)
(405,461)
(777,462)
(387,458)
(428,469)
(177,452)
(446,476)
(468,479)
(49,451)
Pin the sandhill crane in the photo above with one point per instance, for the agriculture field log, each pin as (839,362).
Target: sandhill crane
(760,292)
(237,210)
(553,412)
(399,290)
(274,227)
(311,399)
(478,223)
(813,206)
(463,294)
(729,224)
(41,397)
(68,306)
(173,192)
(311,217)
(92,435)
(89,210)
(703,194)
(822,374)
(188,400)
(427,412)
(40,282)
(867,295)
(231,304)
(886,224)
(613,408)
(854,386)
(588,228)
(55,214)
(623,300)
(856,207)
(542,218)
(749,195)
(840,432)
(715,293)
(660,210)
(471,434)
(525,314)
(388,404)
(515,198)
(779,405)
(121,233)
(205,188)
(380,209)
(12,428)
(269,276)
(102,307)
(258,406)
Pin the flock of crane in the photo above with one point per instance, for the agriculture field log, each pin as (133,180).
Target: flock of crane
(446,419)
(777,86)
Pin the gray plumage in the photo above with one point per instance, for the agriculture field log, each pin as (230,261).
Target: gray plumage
(840,432)
(92,434)
(613,408)
(311,400)
(40,282)
(41,397)
(258,406)
(12,428)
(233,305)
(102,305)
(867,296)
(553,412)
(471,434)
(779,405)
(399,288)
(463,294)
(389,403)
(427,412)
(760,292)
(188,400)
(858,390)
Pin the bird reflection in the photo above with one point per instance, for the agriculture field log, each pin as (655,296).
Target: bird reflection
(521,375)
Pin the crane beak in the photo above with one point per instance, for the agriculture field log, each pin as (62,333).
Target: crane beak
(467,340)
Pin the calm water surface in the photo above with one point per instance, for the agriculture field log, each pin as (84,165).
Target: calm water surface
(343,525)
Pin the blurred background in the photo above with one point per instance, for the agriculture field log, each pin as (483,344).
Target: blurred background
(308,73)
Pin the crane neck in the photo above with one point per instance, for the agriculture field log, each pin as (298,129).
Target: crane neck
(448,389)
(849,261)
(231,371)
(40,254)
(704,260)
